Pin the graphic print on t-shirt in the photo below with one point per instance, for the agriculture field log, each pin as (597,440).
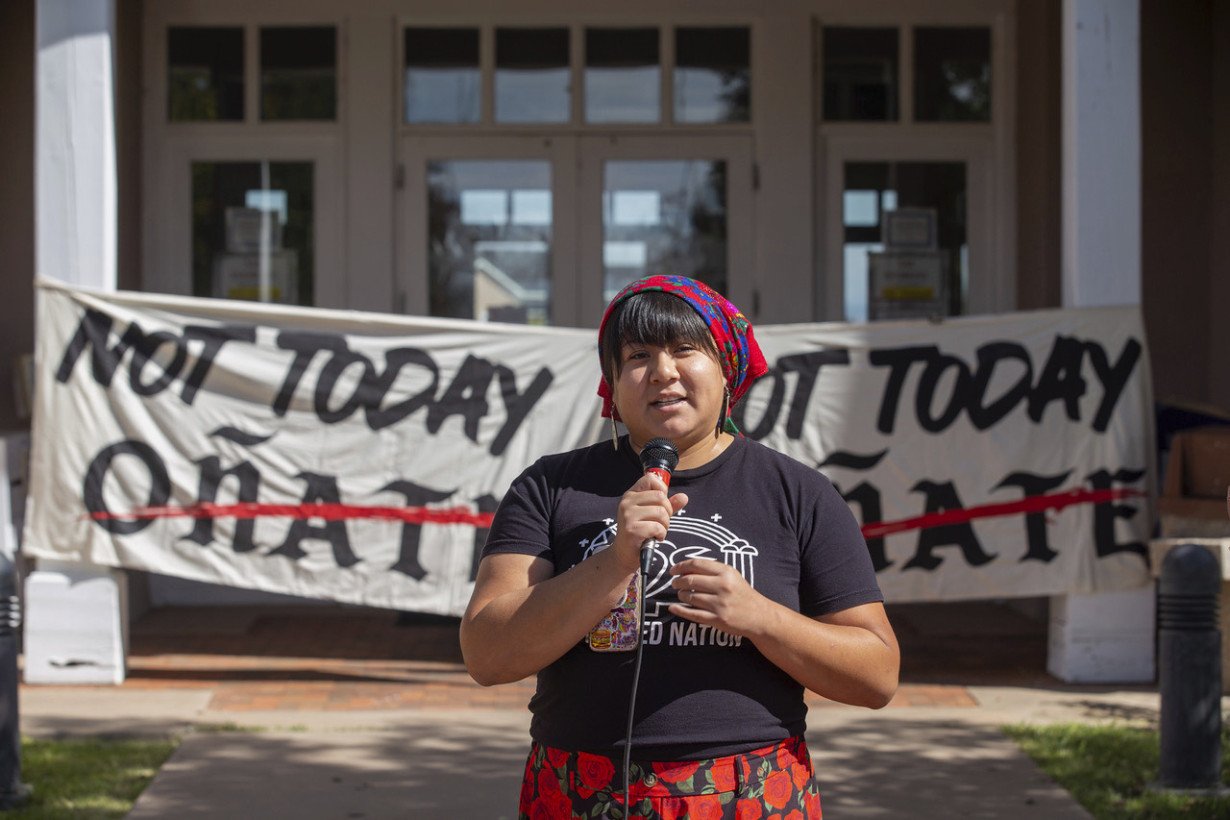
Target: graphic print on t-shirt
(688,538)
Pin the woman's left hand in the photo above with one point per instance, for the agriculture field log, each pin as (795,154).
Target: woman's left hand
(849,656)
(716,594)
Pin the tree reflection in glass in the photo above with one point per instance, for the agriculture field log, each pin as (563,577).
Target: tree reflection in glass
(532,75)
(712,81)
(623,81)
(664,216)
(489,239)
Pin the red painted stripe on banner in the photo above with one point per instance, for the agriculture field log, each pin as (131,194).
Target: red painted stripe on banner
(1034,503)
(328,512)
(461,515)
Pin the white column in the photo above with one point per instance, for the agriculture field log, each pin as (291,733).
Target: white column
(75,187)
(75,622)
(1101,637)
(1101,152)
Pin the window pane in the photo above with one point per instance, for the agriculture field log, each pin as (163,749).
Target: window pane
(531,75)
(443,80)
(204,74)
(489,230)
(623,81)
(952,74)
(299,73)
(713,75)
(664,217)
(872,190)
(860,74)
(861,209)
(252,231)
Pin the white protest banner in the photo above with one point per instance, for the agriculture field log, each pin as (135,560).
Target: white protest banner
(998,456)
(338,455)
(359,457)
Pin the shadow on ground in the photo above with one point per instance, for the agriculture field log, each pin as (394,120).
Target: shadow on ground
(890,766)
(456,765)
(450,769)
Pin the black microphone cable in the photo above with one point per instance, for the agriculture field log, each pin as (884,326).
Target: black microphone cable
(659,457)
(646,557)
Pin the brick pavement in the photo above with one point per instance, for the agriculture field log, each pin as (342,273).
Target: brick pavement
(343,659)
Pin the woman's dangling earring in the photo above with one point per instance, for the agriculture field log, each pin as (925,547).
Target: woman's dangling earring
(721,425)
(614,430)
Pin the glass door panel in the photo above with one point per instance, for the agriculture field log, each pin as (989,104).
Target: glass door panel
(252,231)
(485,224)
(898,276)
(651,205)
(489,239)
(661,216)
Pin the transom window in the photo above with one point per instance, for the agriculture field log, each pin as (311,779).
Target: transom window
(205,69)
(946,76)
(208,72)
(510,75)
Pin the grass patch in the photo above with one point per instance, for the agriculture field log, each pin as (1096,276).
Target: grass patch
(225,727)
(1108,770)
(88,778)
(242,728)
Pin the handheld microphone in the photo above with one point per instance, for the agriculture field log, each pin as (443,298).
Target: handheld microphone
(659,457)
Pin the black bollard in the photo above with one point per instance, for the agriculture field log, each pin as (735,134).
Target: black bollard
(12,791)
(1189,669)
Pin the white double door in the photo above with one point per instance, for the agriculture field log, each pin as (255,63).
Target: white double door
(546,229)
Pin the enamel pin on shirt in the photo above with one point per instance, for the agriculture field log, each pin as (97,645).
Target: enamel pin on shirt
(619,629)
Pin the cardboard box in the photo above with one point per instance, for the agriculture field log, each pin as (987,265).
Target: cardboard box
(1199,465)
(1194,496)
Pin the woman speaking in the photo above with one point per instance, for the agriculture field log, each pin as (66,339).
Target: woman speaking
(758,584)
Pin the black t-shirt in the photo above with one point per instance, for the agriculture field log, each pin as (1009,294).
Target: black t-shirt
(703,692)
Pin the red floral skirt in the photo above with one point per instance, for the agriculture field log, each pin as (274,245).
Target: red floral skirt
(775,781)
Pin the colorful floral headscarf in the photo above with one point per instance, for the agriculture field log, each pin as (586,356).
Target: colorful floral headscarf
(740,356)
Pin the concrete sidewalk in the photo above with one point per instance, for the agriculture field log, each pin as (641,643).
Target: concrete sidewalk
(902,761)
(343,713)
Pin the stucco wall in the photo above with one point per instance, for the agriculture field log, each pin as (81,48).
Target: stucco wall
(16,195)
(1176,61)
(1038,154)
(128,141)
(1219,250)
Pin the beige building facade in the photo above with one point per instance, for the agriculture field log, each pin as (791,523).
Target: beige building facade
(520,162)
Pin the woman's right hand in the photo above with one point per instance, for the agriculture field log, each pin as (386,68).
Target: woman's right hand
(522,616)
(644,512)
